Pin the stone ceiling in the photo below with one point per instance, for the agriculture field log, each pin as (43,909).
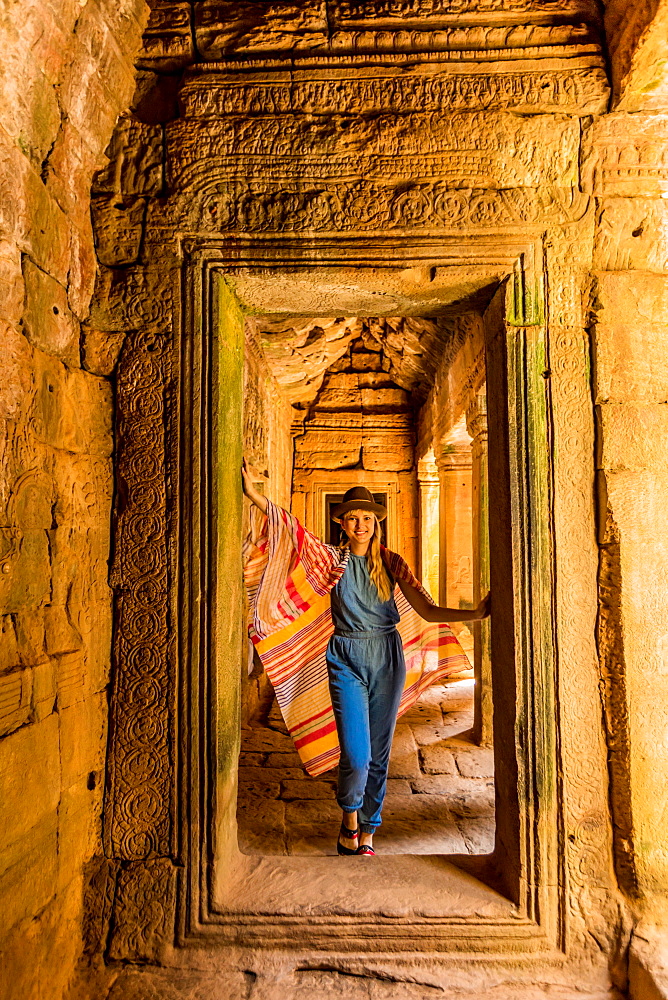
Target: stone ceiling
(300,350)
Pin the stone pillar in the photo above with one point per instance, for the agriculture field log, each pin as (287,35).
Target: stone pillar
(454,473)
(476,424)
(429,555)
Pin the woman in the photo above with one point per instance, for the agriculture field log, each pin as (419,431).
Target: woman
(291,574)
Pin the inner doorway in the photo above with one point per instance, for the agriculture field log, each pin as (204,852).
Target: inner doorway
(362,400)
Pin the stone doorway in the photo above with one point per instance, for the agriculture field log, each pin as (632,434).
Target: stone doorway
(204,540)
(387,402)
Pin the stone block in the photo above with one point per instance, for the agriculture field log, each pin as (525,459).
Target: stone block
(623,157)
(118,228)
(385,400)
(631,317)
(29,870)
(307,788)
(387,449)
(261,826)
(259,786)
(425,735)
(632,437)
(16,385)
(435,784)
(422,824)
(15,700)
(398,786)
(29,215)
(72,409)
(30,636)
(272,774)
(422,713)
(43,689)
(61,635)
(83,269)
(632,235)
(9,650)
(221,28)
(83,733)
(71,679)
(47,320)
(404,755)
(318,816)
(29,782)
(284,761)
(98,76)
(251,759)
(478,834)
(136,161)
(365,361)
(478,762)
(101,351)
(437,759)
(26,582)
(79,829)
(12,289)
(263,740)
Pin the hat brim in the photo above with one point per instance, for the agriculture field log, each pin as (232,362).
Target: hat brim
(337,512)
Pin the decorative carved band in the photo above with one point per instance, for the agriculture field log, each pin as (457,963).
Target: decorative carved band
(362,206)
(355,10)
(140,766)
(581,90)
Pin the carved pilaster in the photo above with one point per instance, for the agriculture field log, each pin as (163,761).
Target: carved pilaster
(476,423)
(454,472)
(430,547)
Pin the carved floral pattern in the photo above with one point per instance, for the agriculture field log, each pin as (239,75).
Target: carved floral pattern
(366,205)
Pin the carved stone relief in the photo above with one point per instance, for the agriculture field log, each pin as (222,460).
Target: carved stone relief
(360,138)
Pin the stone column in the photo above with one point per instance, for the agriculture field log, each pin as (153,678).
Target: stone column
(454,473)
(476,423)
(429,561)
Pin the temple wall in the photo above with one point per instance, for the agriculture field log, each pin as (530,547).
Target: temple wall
(268,449)
(67,72)
(629,322)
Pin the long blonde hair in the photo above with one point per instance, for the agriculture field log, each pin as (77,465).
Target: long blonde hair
(374,560)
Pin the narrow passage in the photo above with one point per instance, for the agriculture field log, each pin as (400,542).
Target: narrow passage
(440,797)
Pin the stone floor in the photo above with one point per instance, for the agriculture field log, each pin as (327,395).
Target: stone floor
(440,797)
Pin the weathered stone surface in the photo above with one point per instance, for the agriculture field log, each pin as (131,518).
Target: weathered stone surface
(307,789)
(631,309)
(48,322)
(67,73)
(403,759)
(443,124)
(631,235)
(437,760)
(476,763)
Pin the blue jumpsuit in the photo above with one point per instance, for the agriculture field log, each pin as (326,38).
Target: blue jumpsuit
(365,662)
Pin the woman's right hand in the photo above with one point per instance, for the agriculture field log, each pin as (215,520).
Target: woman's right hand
(249,489)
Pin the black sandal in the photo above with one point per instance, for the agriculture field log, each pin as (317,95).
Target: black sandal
(365,850)
(352,835)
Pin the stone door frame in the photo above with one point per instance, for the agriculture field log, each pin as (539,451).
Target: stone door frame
(163,803)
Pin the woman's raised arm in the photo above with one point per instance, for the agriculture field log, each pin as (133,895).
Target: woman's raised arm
(249,490)
(432,613)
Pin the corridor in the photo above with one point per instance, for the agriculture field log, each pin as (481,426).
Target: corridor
(440,797)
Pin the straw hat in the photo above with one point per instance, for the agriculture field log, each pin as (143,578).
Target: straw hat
(358,498)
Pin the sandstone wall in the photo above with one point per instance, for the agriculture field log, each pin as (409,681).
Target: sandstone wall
(627,173)
(268,449)
(67,72)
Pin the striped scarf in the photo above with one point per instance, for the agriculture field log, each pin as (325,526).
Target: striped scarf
(289,574)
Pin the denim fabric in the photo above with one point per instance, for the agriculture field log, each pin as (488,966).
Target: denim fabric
(366,680)
(355,602)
